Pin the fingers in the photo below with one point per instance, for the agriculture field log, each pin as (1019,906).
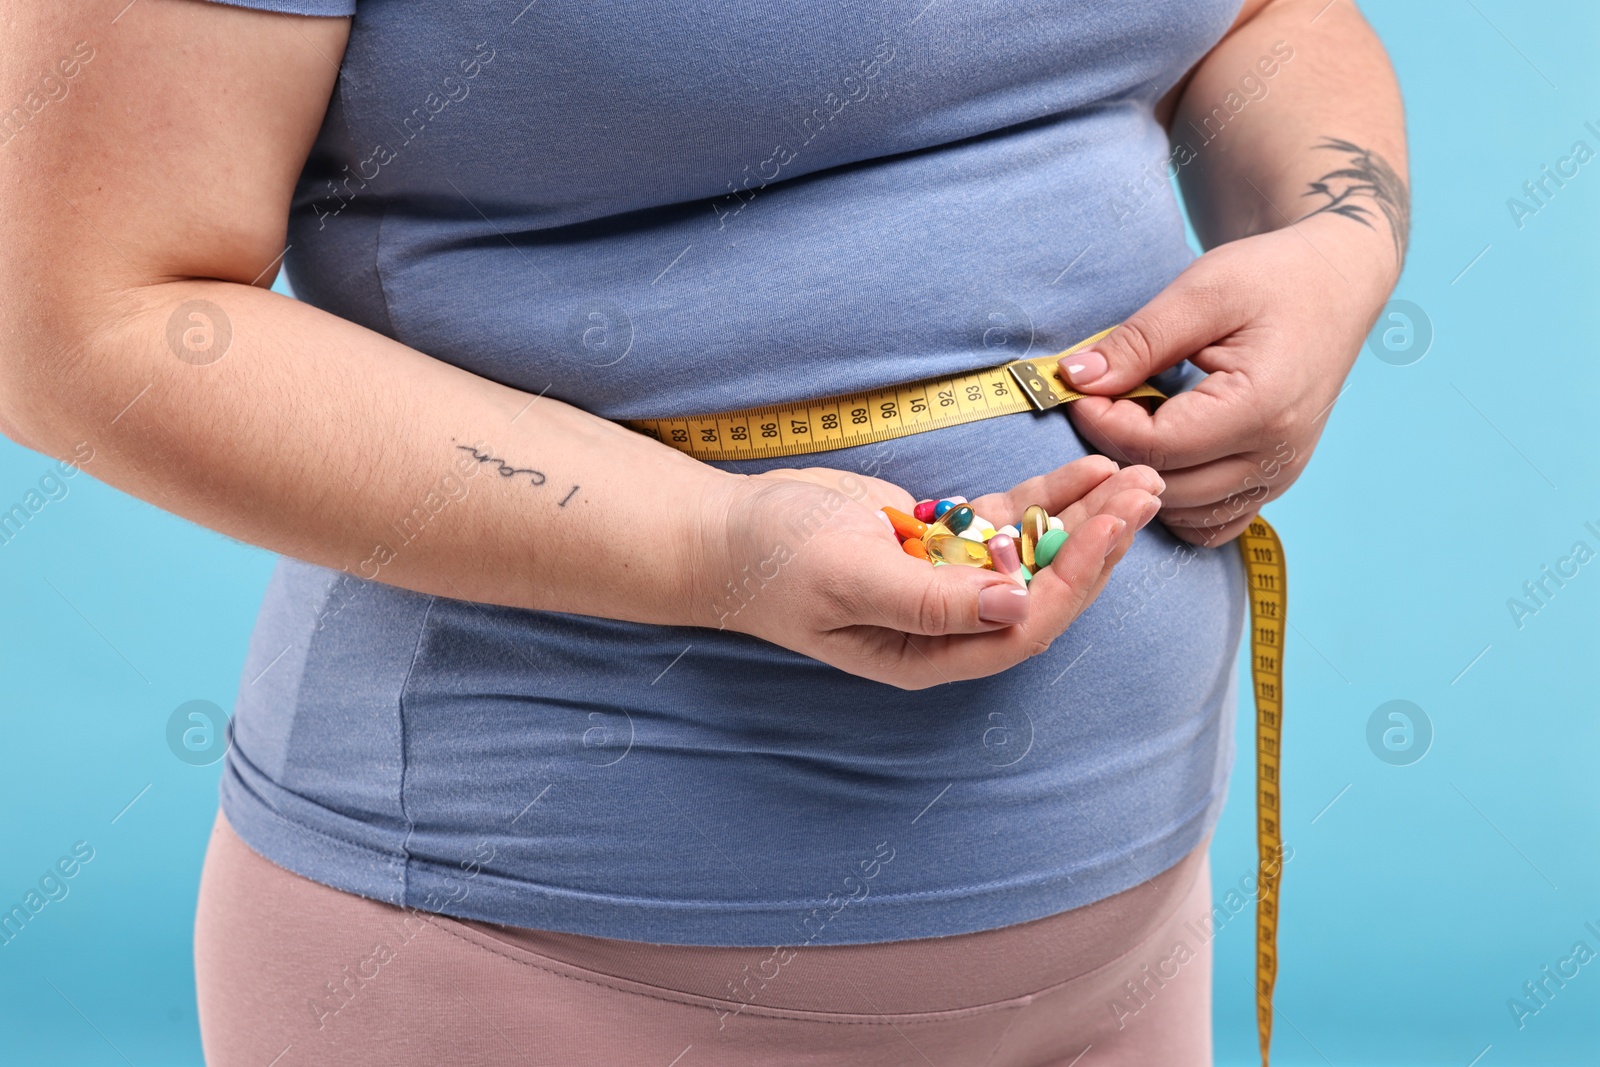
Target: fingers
(1199,307)
(1095,501)
(924,632)
(1220,512)
(1212,420)
(908,595)
(1057,595)
(1063,589)
(1053,491)
(1136,508)
(1073,491)
(1216,530)
(1210,484)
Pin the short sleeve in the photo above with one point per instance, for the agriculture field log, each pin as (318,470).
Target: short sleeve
(328,8)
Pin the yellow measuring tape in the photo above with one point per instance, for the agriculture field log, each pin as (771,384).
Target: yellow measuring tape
(1031,385)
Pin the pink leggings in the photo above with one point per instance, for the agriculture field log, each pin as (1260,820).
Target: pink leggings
(291,972)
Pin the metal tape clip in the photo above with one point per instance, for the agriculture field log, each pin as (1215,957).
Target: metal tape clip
(1035,386)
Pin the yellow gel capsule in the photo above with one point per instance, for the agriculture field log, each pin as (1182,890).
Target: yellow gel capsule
(1035,524)
(936,529)
(958,550)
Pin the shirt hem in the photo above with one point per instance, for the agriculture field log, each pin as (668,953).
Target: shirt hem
(392,878)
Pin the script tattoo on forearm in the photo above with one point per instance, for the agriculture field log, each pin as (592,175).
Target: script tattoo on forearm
(1364,182)
(504,469)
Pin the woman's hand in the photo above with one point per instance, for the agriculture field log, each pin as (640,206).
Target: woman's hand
(1276,321)
(804,559)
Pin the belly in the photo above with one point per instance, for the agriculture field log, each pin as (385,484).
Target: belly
(712,774)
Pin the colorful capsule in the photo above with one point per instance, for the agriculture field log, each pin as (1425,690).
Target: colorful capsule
(914,547)
(937,529)
(1035,524)
(924,510)
(959,517)
(905,525)
(958,550)
(1048,546)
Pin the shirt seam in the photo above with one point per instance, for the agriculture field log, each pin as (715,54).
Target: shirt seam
(383,214)
(400,710)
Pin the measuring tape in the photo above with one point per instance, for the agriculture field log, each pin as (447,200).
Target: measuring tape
(1031,385)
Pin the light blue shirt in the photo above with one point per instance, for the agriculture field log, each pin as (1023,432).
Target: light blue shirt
(646,209)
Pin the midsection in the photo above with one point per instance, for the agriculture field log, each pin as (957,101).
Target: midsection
(663,782)
(658,783)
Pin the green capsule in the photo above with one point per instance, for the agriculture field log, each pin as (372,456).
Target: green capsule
(1049,545)
(958,550)
(958,518)
(1034,525)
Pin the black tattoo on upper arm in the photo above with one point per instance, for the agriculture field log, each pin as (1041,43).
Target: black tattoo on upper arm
(1367,178)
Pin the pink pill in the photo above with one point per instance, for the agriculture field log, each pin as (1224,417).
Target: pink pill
(1003,551)
(924,510)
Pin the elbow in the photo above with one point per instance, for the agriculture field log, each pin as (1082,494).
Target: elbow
(21,409)
(30,417)
(37,409)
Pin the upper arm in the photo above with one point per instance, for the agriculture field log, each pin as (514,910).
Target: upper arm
(1167,107)
(148,142)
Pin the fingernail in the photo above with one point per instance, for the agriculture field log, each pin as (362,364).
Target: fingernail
(1084,368)
(1116,535)
(1001,604)
(1150,510)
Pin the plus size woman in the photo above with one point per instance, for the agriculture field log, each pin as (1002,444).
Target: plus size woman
(556,745)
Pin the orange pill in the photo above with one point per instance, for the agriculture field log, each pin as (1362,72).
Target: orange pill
(905,526)
(915,547)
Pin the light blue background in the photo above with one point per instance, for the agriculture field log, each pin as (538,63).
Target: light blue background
(1417,902)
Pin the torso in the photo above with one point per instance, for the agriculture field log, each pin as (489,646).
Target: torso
(544,198)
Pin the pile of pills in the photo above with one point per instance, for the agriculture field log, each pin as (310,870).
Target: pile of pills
(948,531)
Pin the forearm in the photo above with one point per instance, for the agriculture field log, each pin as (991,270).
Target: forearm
(1296,115)
(316,438)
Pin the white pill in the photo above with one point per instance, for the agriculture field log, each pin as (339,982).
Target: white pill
(1011,532)
(972,533)
(1057,524)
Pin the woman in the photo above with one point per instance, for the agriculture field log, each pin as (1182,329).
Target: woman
(557,745)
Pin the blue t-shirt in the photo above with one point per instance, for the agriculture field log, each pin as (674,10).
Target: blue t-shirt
(650,208)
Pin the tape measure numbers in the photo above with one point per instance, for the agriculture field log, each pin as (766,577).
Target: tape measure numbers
(875,415)
(1267,579)
(1031,385)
